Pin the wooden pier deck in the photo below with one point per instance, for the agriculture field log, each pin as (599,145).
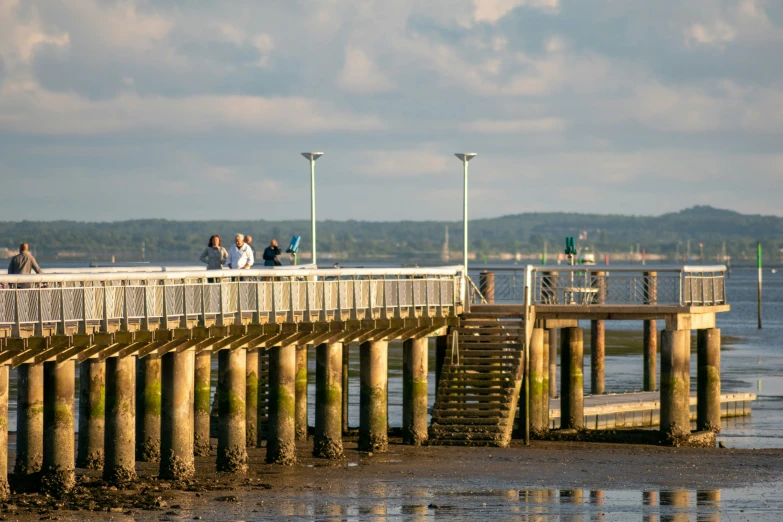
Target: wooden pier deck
(640,409)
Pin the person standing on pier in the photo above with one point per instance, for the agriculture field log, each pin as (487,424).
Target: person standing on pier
(249,242)
(240,255)
(214,255)
(272,254)
(24,262)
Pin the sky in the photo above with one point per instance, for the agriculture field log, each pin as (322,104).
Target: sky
(131,109)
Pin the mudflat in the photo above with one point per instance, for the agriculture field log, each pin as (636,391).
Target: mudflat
(406,480)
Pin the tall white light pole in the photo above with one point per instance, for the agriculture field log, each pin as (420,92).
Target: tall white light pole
(465,157)
(312,156)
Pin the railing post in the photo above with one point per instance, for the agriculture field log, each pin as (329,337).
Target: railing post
(17,313)
(164,321)
(61,328)
(238,319)
(125,321)
(39,326)
(204,289)
(291,307)
(145,323)
(105,318)
(83,328)
(221,308)
(274,302)
(257,312)
(184,320)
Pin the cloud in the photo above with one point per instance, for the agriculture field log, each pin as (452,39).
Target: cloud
(493,10)
(539,125)
(717,34)
(46,113)
(360,74)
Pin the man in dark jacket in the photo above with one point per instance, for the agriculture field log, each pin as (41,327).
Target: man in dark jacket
(272,254)
(24,262)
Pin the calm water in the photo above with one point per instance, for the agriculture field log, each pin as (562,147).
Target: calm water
(752,364)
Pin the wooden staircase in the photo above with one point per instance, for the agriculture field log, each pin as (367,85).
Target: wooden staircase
(480,382)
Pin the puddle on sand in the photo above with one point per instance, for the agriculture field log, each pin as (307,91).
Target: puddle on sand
(382,500)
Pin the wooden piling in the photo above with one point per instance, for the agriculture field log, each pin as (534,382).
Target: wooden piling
(572,379)
(650,334)
(176,442)
(487,286)
(708,380)
(545,388)
(120,435)
(4,489)
(281,442)
(345,382)
(553,344)
(202,444)
(232,385)
(29,427)
(57,473)
(414,391)
(373,422)
(597,356)
(148,408)
(328,440)
(301,393)
(537,370)
(441,346)
(251,399)
(92,410)
(675,384)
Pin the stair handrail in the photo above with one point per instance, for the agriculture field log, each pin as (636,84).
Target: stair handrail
(476,290)
(454,348)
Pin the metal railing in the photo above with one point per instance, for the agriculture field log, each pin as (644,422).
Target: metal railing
(269,295)
(620,285)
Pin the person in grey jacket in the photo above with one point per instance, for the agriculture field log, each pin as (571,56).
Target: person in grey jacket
(24,262)
(215,255)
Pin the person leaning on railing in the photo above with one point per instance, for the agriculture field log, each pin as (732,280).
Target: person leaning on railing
(23,263)
(214,255)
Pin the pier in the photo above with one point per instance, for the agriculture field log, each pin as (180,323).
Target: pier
(146,340)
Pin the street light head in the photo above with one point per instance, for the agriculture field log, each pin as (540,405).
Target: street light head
(465,156)
(312,156)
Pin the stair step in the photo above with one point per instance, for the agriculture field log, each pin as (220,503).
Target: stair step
(470,443)
(474,421)
(464,399)
(488,352)
(477,432)
(483,367)
(511,346)
(488,388)
(468,412)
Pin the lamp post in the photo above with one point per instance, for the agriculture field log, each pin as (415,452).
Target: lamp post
(312,156)
(465,157)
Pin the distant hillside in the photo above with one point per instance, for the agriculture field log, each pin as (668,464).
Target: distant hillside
(417,241)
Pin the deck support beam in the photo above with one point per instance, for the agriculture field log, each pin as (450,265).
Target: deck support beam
(328,442)
(176,427)
(4,489)
(708,380)
(92,396)
(545,385)
(373,422)
(232,438)
(281,441)
(553,344)
(346,351)
(572,379)
(414,390)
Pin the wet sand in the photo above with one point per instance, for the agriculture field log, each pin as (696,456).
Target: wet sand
(416,481)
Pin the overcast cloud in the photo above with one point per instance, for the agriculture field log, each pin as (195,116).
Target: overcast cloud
(198,110)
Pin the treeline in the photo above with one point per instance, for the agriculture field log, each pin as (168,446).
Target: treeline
(418,241)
